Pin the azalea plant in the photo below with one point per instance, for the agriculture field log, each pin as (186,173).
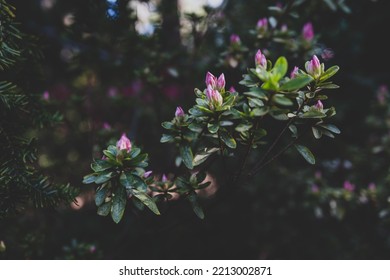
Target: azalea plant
(219,122)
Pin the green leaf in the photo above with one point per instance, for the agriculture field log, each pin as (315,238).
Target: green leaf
(104,210)
(186,155)
(306,153)
(118,204)
(296,83)
(257,93)
(135,152)
(90,178)
(312,114)
(331,128)
(100,165)
(166,138)
(101,196)
(258,112)
(316,132)
(281,100)
(195,127)
(227,139)
(213,127)
(255,102)
(168,125)
(329,73)
(204,155)
(280,68)
(242,127)
(104,177)
(146,200)
(193,198)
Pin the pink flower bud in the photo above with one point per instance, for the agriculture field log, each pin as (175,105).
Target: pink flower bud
(382,94)
(308,32)
(327,54)
(284,28)
(106,126)
(315,188)
(262,24)
(179,112)
(313,67)
(294,72)
(221,82)
(124,143)
(260,60)
(372,187)
(319,106)
(349,186)
(147,174)
(164,178)
(214,97)
(211,80)
(232,89)
(235,39)
(46,96)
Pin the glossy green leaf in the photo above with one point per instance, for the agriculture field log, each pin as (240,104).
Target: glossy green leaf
(104,210)
(186,155)
(100,165)
(118,204)
(204,155)
(280,68)
(90,178)
(329,73)
(168,125)
(196,206)
(146,200)
(312,114)
(227,139)
(296,83)
(331,128)
(213,127)
(306,154)
(101,196)
(166,138)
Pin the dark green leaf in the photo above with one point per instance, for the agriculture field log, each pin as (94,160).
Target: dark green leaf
(312,114)
(331,128)
(227,139)
(90,178)
(186,155)
(196,127)
(118,204)
(316,132)
(195,205)
(166,138)
(281,100)
(146,200)
(168,125)
(104,177)
(306,153)
(100,165)
(203,156)
(101,196)
(296,83)
(104,210)
(213,127)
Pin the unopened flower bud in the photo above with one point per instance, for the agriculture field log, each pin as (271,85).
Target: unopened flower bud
(349,186)
(211,80)
(308,32)
(124,143)
(164,178)
(294,72)
(46,96)
(262,24)
(260,60)
(221,82)
(372,187)
(313,67)
(214,97)
(319,106)
(147,173)
(179,112)
(232,89)
(235,39)
(284,28)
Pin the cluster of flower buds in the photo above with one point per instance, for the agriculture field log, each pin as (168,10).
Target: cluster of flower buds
(215,87)
(260,60)
(314,68)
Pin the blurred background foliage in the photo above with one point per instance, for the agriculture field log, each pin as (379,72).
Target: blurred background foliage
(123,66)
